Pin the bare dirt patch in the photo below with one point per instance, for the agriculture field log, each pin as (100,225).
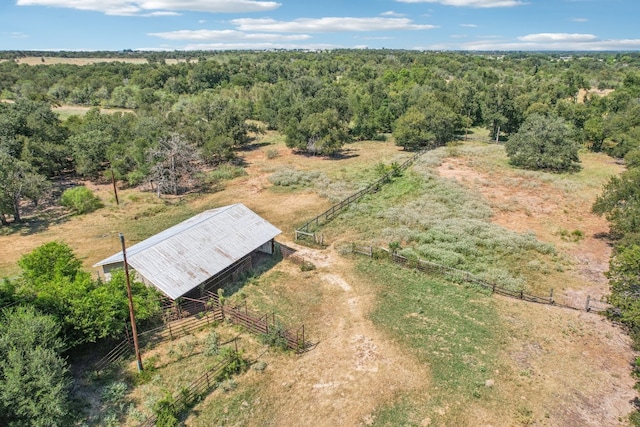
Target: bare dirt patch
(570,368)
(555,215)
(353,369)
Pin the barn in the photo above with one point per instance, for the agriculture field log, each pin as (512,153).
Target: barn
(198,254)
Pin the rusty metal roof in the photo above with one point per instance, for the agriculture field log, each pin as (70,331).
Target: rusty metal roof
(180,258)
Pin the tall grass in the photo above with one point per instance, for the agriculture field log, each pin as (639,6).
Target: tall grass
(439,220)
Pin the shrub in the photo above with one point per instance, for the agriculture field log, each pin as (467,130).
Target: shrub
(288,177)
(212,344)
(225,172)
(307,266)
(275,337)
(80,199)
(272,153)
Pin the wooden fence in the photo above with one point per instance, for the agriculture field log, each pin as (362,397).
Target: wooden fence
(308,229)
(266,324)
(170,330)
(465,276)
(191,393)
(210,311)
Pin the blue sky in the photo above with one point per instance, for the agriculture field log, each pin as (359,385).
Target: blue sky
(589,25)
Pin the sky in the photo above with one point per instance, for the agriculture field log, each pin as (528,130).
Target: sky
(524,25)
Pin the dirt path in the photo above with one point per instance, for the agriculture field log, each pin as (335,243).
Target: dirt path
(354,369)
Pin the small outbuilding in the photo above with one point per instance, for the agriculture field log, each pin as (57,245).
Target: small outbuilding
(200,253)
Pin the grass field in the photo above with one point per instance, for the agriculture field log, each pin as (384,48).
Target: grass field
(394,347)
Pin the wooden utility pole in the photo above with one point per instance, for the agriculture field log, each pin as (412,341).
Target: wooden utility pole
(115,189)
(132,316)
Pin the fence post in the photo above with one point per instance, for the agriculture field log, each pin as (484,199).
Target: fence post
(551,296)
(493,289)
(586,306)
(521,293)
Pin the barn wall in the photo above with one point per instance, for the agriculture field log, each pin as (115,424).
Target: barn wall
(267,248)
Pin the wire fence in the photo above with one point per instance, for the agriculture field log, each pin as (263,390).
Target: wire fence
(590,304)
(307,230)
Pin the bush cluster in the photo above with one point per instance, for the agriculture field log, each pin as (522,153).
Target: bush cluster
(80,199)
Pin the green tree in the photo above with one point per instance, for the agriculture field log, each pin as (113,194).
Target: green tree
(624,283)
(34,384)
(543,142)
(47,262)
(18,180)
(411,130)
(318,133)
(620,203)
(89,151)
(87,310)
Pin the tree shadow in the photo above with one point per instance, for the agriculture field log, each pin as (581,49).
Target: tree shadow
(341,155)
(254,146)
(34,224)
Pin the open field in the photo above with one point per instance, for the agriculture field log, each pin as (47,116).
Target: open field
(51,60)
(396,347)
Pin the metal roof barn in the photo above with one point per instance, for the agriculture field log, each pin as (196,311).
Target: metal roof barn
(182,257)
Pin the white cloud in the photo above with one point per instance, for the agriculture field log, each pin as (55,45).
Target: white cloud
(161,13)
(136,7)
(373,38)
(554,41)
(557,37)
(469,25)
(247,46)
(470,3)
(18,35)
(579,19)
(392,13)
(227,36)
(329,24)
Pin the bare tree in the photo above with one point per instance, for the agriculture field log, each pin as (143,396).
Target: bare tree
(174,164)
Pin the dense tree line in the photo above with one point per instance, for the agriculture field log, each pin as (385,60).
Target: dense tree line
(211,104)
